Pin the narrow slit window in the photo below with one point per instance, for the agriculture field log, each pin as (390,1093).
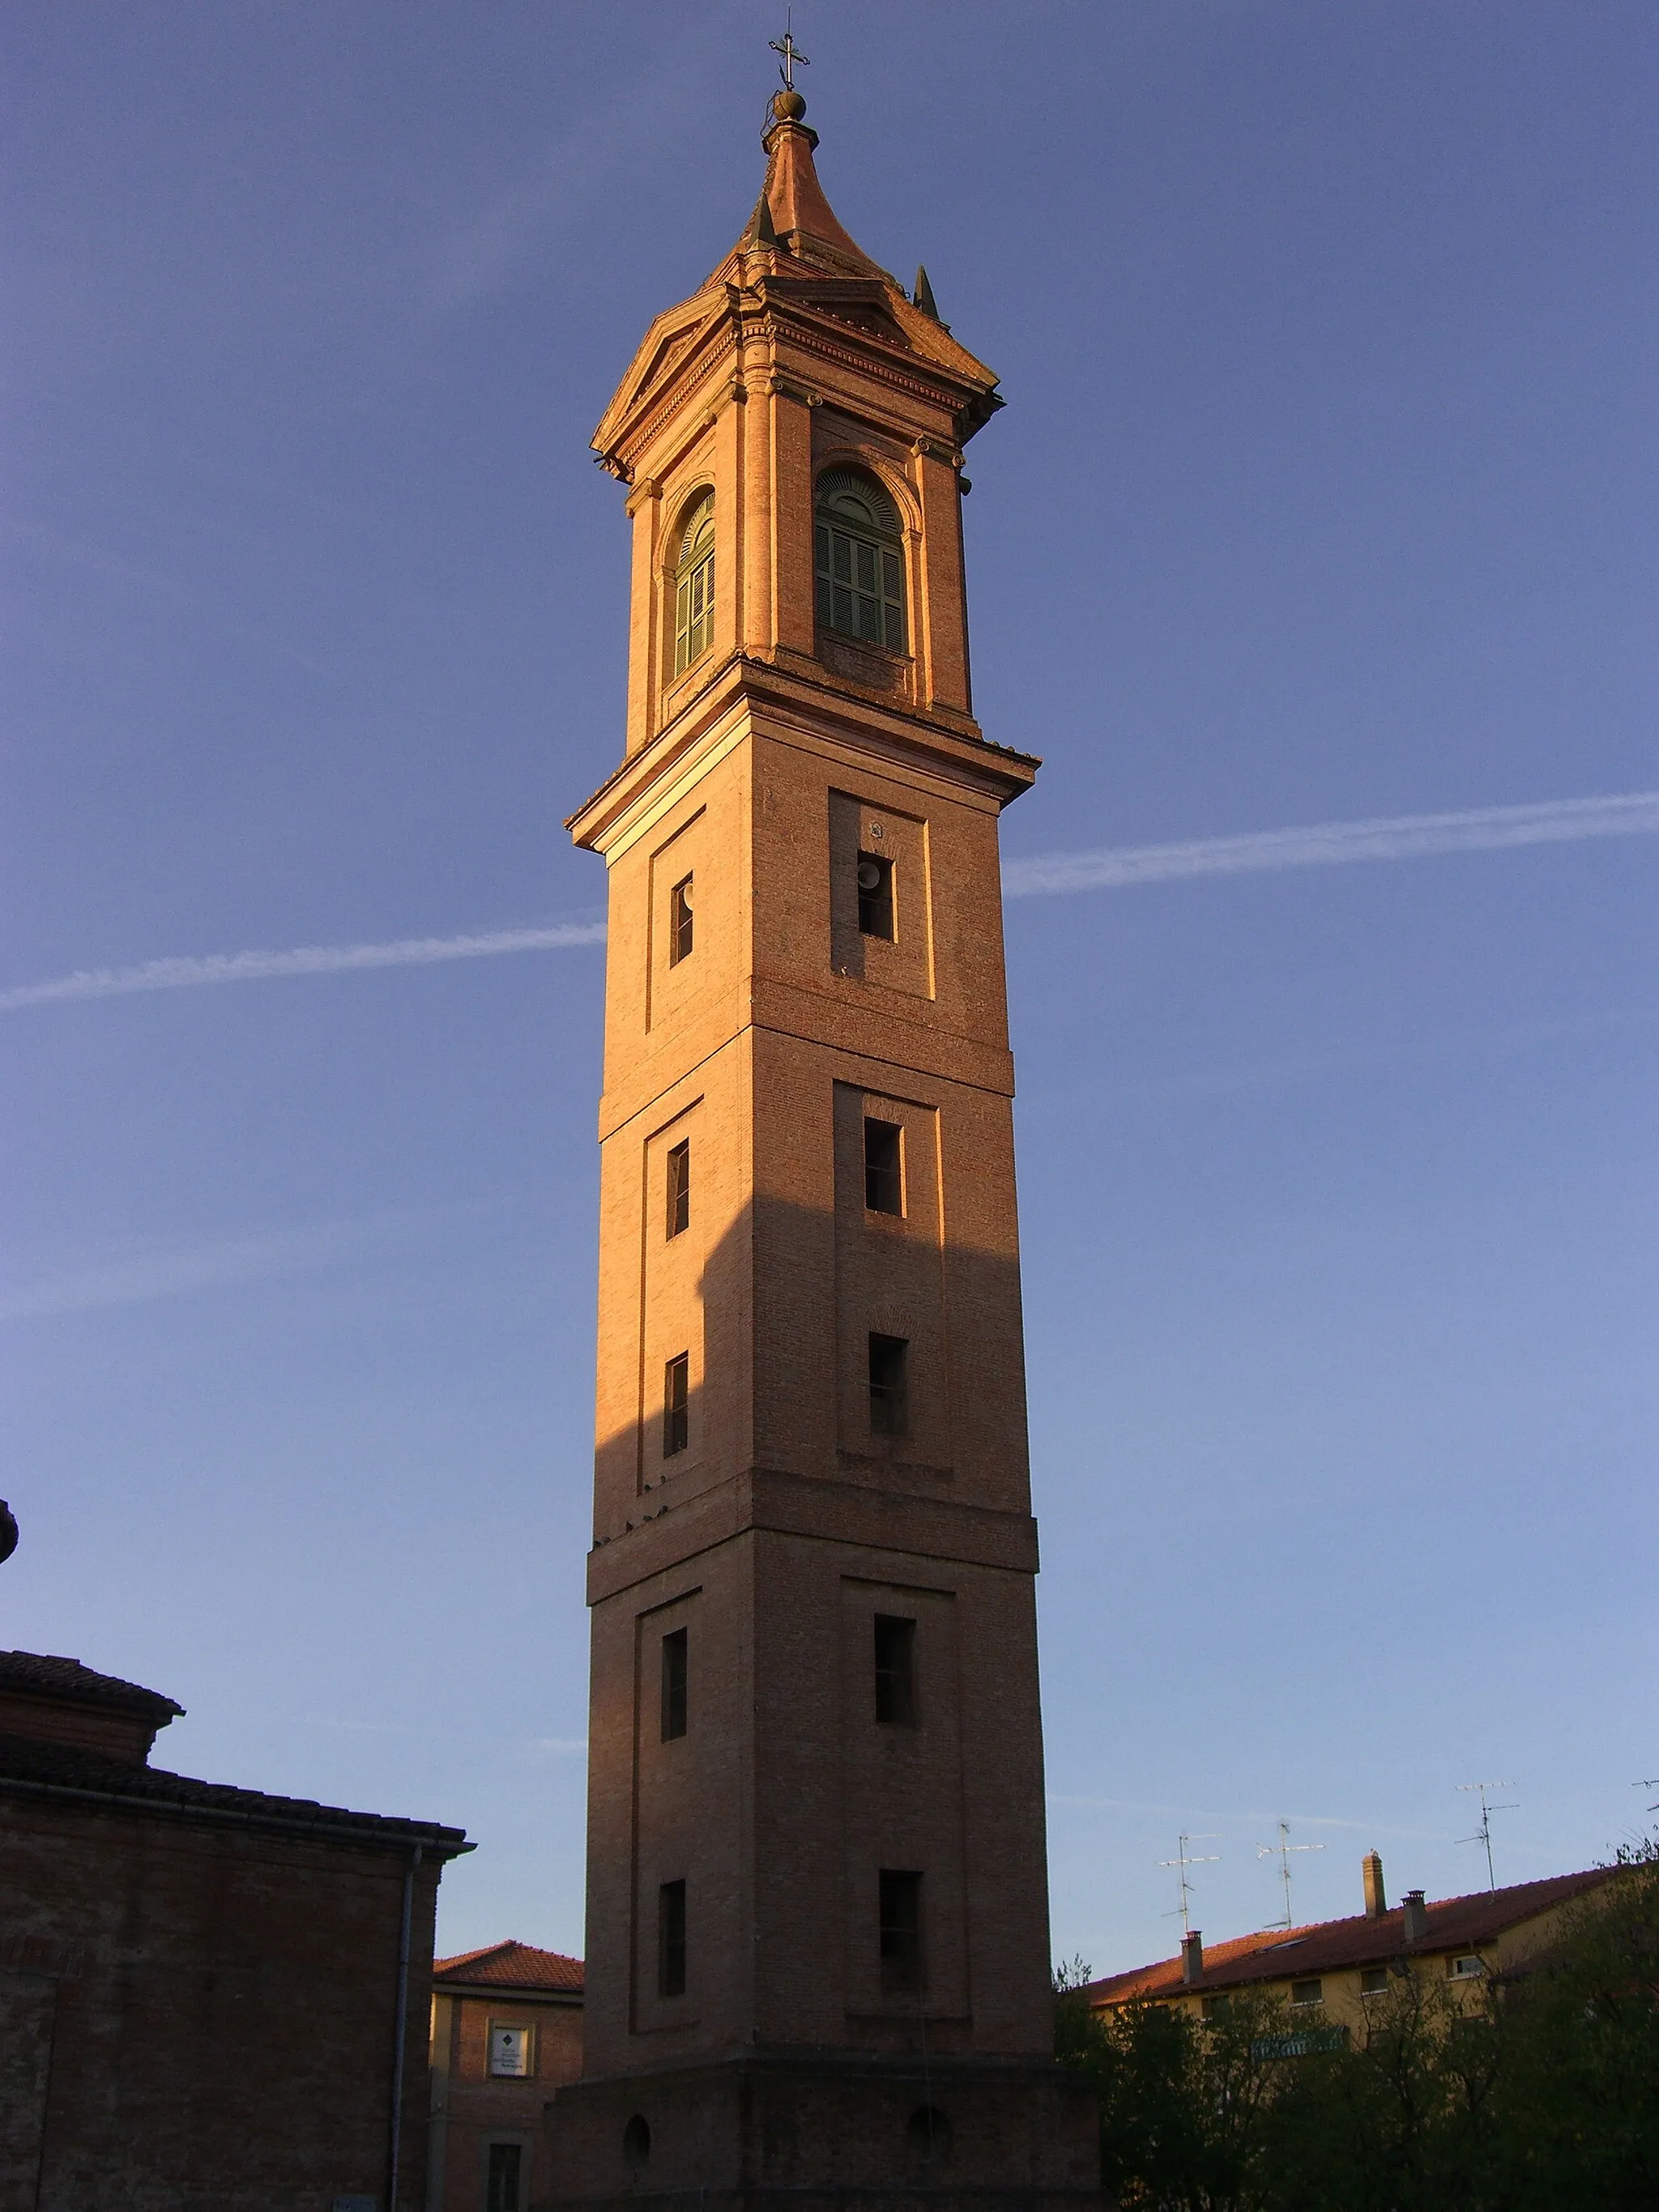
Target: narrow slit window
(883,1167)
(875,895)
(694,585)
(679,922)
(675,1655)
(900,1929)
(670,1939)
(895,1670)
(679,1189)
(888,1394)
(676,1405)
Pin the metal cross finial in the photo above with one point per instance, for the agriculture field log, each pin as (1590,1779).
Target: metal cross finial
(792,54)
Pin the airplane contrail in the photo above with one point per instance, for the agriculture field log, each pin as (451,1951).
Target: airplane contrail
(1326,844)
(1321,844)
(305,960)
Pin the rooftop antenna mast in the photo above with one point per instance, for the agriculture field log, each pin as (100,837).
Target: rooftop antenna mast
(1483,1833)
(1183,1859)
(1647,1781)
(1281,1850)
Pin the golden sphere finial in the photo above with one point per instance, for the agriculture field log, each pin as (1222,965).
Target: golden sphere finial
(788,107)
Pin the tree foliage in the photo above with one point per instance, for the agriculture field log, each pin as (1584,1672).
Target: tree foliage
(1538,2093)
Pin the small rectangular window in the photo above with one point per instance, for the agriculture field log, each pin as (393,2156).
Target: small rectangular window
(503,2178)
(1311,1992)
(1216,2008)
(679,922)
(675,1654)
(1373,1981)
(670,1939)
(1464,1969)
(895,1670)
(883,1167)
(679,1189)
(875,895)
(889,1395)
(509,2052)
(676,1405)
(900,1910)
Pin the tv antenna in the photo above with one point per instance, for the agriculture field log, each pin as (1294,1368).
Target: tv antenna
(1647,1781)
(1183,1859)
(1483,1833)
(1281,1850)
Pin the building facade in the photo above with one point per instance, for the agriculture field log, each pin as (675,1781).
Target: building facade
(818,1931)
(211,1999)
(1335,1974)
(506,2029)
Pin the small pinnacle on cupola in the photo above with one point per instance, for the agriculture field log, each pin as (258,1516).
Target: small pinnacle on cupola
(761,231)
(924,294)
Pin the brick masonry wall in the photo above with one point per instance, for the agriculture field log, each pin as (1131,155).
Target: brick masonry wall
(201,2019)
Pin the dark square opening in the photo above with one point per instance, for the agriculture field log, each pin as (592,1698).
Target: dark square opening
(883,1167)
(675,1655)
(888,1394)
(901,1929)
(679,922)
(875,895)
(895,1670)
(676,1405)
(670,1939)
(679,1189)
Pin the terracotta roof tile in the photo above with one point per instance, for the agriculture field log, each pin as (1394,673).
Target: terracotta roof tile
(1327,1946)
(511,1965)
(39,1674)
(29,1766)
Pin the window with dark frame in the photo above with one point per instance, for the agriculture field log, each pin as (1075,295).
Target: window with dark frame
(503,2176)
(895,1670)
(670,1939)
(676,1405)
(883,1167)
(680,934)
(675,1655)
(1311,1992)
(858,559)
(694,585)
(875,895)
(890,1408)
(1373,1981)
(900,1929)
(679,1189)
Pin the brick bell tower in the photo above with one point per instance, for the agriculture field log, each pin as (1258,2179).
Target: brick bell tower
(817,1941)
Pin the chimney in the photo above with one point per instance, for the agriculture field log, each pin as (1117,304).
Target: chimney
(1192,1957)
(1377,1902)
(1416,1915)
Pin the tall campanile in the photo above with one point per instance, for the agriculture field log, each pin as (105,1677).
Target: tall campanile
(817,1955)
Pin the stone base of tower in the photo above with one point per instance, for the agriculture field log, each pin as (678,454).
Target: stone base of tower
(825,2132)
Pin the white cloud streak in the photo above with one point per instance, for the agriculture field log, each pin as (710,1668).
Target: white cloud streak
(1321,844)
(1328,844)
(305,960)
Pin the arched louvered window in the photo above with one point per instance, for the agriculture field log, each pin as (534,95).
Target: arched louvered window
(694,584)
(860,559)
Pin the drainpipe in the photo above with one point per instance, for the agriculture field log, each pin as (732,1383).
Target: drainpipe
(400,2035)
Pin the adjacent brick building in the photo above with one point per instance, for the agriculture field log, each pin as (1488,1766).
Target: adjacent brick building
(817,1945)
(211,1999)
(507,2028)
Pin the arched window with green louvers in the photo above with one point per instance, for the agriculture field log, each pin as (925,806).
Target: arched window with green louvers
(860,547)
(694,585)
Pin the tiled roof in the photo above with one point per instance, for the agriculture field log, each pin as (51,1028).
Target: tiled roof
(30,1767)
(1454,1923)
(512,1966)
(39,1675)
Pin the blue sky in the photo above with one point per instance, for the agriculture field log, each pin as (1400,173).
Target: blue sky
(1324,494)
